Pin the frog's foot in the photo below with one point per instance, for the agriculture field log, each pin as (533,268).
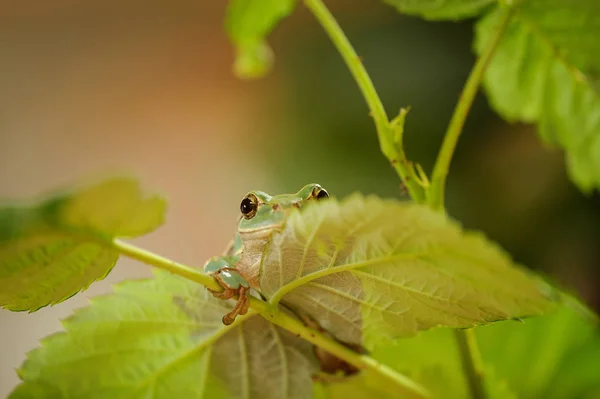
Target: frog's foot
(241,307)
(233,284)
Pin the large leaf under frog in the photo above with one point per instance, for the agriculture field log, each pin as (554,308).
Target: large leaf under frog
(368,270)
(163,338)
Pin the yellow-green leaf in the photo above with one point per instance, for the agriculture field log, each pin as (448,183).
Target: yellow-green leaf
(55,247)
(368,270)
(163,338)
(431,359)
(551,356)
(554,356)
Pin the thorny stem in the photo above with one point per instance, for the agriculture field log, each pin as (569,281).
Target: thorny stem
(442,164)
(404,384)
(386,130)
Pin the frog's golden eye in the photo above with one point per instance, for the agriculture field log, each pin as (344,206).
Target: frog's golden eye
(249,206)
(320,193)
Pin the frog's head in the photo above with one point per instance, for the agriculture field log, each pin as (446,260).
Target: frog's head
(261,213)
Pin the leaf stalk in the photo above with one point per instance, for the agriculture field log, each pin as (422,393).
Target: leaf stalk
(160,262)
(466,340)
(461,111)
(471,362)
(386,130)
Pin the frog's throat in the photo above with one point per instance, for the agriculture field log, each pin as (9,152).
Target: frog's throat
(250,260)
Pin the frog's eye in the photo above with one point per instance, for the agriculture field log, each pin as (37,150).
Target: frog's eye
(249,206)
(320,193)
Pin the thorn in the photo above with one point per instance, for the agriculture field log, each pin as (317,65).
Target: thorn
(403,189)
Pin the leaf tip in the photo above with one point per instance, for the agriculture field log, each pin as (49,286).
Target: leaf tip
(253,61)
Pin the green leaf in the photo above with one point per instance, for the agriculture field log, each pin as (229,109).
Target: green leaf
(545,70)
(497,387)
(368,270)
(163,338)
(551,356)
(441,9)
(554,356)
(56,247)
(248,22)
(430,359)
(363,385)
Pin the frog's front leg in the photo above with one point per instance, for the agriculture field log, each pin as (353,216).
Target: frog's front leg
(222,269)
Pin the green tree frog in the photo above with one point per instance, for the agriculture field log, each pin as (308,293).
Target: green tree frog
(237,270)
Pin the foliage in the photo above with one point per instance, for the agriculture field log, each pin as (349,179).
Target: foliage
(334,260)
(545,71)
(445,9)
(56,247)
(163,337)
(545,357)
(248,22)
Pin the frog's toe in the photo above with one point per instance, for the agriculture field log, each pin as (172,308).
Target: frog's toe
(228,319)
(225,294)
(244,308)
(240,308)
(244,302)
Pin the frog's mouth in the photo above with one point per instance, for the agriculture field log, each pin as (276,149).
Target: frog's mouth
(259,232)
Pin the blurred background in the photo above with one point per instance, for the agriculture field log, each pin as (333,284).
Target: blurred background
(146,88)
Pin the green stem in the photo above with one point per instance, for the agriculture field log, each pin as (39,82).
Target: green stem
(341,42)
(471,362)
(388,376)
(442,165)
(163,263)
(466,340)
(406,386)
(385,130)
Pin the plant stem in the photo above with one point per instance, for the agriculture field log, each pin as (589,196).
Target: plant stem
(163,263)
(408,387)
(393,150)
(471,362)
(385,130)
(341,42)
(442,164)
(466,340)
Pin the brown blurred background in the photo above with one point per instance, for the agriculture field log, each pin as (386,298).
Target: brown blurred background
(146,87)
